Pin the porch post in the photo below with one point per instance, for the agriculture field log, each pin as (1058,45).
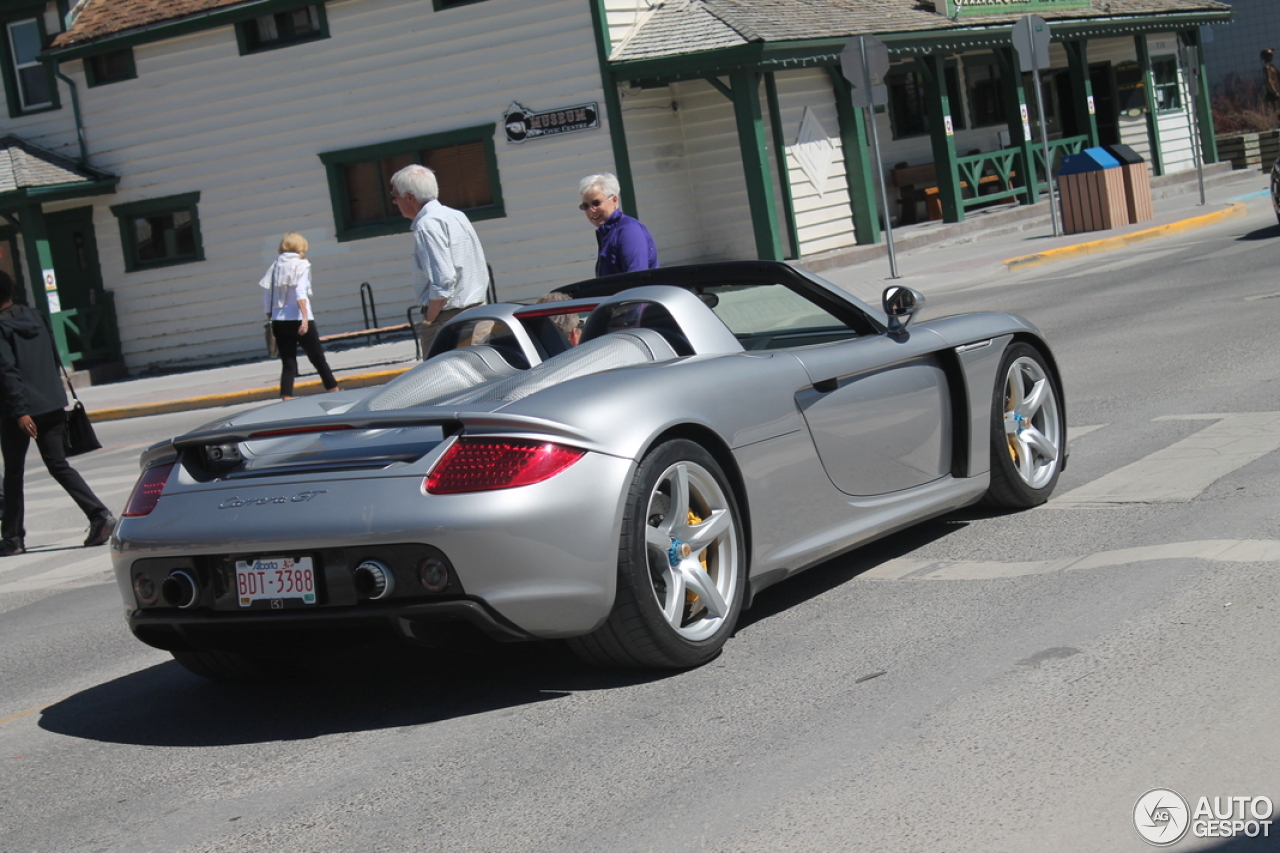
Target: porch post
(755,164)
(613,112)
(933,70)
(35,249)
(1081,88)
(1203,105)
(856,144)
(1153,117)
(1015,101)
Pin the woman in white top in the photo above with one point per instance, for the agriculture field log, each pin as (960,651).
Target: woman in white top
(287,301)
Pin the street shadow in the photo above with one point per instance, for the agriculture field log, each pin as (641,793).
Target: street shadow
(1268,233)
(399,685)
(383,687)
(837,571)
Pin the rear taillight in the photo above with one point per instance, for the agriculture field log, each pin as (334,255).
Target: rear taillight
(480,465)
(146,494)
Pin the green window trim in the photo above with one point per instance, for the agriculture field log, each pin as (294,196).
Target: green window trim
(129,213)
(336,161)
(441,5)
(245,36)
(95,73)
(1166,88)
(35,13)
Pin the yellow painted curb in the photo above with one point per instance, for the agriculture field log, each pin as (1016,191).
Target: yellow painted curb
(235,398)
(1062,253)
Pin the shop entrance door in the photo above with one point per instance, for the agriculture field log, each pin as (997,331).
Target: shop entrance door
(85,324)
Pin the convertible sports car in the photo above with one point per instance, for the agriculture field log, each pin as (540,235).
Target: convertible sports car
(718,428)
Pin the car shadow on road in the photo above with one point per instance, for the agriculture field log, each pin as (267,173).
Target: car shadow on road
(387,687)
(840,570)
(1268,233)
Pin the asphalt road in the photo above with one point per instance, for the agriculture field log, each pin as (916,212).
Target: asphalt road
(980,683)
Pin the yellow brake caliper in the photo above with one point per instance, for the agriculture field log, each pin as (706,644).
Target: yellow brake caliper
(691,597)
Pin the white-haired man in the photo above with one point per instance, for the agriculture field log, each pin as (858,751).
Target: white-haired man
(450,272)
(623,243)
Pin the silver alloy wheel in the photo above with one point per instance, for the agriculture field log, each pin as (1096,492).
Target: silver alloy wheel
(693,551)
(1031,422)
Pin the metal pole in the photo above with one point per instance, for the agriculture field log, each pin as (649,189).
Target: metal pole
(1193,78)
(1044,142)
(875,155)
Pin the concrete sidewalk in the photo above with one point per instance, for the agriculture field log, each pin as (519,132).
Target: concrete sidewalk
(992,242)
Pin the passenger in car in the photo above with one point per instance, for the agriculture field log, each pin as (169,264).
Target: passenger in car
(569,325)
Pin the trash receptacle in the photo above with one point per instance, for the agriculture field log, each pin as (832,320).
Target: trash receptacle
(1091,185)
(1137,183)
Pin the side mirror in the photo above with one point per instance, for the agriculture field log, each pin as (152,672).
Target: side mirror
(900,305)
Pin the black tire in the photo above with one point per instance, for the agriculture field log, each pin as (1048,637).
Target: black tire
(658,619)
(231,666)
(1028,434)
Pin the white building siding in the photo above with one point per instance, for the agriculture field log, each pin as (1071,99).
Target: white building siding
(716,177)
(665,198)
(246,132)
(823,214)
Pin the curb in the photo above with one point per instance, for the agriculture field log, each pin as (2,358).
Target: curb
(1048,256)
(234,398)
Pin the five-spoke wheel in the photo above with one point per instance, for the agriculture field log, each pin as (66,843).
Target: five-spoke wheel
(1028,437)
(681,565)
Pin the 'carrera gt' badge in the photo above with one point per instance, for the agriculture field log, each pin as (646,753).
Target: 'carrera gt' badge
(299,498)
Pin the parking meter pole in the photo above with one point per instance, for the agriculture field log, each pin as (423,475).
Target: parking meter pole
(879,166)
(1048,158)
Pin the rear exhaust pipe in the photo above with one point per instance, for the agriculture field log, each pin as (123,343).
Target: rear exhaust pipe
(374,580)
(180,590)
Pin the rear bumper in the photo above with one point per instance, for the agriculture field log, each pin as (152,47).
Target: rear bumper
(320,631)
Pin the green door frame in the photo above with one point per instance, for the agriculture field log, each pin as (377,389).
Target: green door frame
(38,255)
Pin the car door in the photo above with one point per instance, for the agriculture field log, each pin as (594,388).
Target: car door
(879,411)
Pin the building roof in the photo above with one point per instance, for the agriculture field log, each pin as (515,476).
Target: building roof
(97,19)
(690,26)
(30,172)
(25,166)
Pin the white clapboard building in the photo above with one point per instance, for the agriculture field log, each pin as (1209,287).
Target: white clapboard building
(156,150)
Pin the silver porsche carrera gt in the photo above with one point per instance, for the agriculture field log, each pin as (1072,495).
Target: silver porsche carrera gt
(717,428)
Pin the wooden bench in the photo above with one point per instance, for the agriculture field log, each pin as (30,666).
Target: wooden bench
(920,183)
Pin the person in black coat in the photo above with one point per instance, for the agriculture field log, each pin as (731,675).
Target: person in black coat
(32,406)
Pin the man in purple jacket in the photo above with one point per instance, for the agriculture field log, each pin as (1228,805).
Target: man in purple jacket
(625,244)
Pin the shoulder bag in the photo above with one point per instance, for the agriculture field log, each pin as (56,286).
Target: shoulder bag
(78,436)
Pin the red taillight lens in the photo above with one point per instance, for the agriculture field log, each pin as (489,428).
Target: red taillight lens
(146,494)
(480,465)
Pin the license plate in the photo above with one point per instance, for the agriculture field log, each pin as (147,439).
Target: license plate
(275,579)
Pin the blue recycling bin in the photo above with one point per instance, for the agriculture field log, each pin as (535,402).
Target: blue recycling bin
(1091,188)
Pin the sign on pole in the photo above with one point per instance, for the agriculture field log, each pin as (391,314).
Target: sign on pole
(865,62)
(869,88)
(1031,40)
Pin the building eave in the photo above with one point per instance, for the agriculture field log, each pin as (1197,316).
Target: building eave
(826,51)
(146,34)
(16,200)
